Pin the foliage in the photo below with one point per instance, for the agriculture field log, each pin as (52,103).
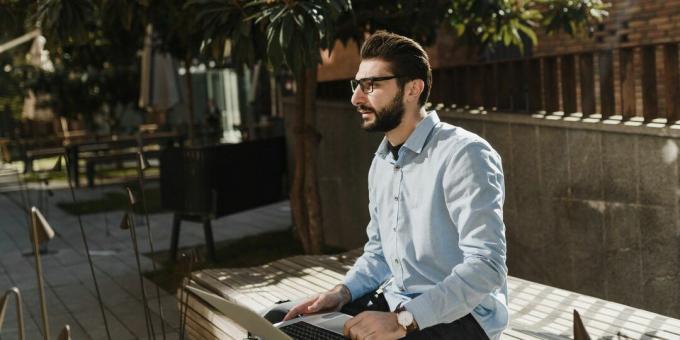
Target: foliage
(94,57)
(287,34)
(513,22)
(176,28)
(224,25)
(70,21)
(418,19)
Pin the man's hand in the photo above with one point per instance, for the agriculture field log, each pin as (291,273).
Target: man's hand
(331,301)
(376,325)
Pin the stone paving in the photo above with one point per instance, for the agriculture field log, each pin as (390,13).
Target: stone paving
(71,297)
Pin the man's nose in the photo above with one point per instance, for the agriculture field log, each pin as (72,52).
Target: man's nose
(358,96)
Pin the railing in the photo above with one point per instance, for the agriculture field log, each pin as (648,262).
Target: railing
(640,83)
(601,84)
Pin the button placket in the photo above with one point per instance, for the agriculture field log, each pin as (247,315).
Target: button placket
(399,179)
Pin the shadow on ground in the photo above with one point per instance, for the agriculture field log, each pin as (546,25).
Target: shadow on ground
(246,252)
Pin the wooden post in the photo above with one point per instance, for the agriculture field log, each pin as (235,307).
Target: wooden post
(519,98)
(627,82)
(534,78)
(459,80)
(504,83)
(446,86)
(587,77)
(568,76)
(437,86)
(469,89)
(552,100)
(475,79)
(671,82)
(606,70)
(650,104)
(490,86)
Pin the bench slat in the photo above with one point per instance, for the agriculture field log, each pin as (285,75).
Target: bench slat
(249,286)
(226,291)
(262,297)
(215,323)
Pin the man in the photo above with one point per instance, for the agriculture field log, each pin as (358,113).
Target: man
(436,239)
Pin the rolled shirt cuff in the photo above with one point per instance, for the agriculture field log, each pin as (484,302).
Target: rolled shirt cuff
(422,312)
(355,288)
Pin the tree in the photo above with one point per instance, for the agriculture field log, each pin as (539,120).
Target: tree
(94,63)
(288,35)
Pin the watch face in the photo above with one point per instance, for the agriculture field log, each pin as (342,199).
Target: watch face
(405,318)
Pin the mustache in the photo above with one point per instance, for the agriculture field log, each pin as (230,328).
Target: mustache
(362,107)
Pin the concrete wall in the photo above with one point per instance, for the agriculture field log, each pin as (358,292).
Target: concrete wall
(590,207)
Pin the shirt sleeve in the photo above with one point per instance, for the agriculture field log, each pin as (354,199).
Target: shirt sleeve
(370,270)
(474,193)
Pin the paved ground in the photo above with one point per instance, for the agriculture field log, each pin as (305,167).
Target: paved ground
(71,297)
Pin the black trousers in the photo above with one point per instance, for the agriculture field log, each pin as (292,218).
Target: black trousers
(465,328)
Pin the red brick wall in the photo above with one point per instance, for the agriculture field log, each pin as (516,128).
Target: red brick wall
(630,23)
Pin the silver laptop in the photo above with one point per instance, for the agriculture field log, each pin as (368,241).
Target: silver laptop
(312,327)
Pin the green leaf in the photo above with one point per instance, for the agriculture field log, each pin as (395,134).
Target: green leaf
(529,33)
(286,30)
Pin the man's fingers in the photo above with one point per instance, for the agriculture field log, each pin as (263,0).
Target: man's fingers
(314,306)
(299,309)
(323,303)
(351,323)
(360,331)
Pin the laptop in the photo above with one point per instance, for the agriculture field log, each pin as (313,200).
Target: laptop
(313,327)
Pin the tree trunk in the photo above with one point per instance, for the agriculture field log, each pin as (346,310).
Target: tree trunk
(312,138)
(304,197)
(297,203)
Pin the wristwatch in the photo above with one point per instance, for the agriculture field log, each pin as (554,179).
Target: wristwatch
(406,320)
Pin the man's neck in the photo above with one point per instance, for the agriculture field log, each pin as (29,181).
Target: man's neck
(400,134)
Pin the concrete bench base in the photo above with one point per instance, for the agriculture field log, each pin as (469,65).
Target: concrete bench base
(537,311)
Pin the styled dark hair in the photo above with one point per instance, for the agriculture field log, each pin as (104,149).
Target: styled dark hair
(405,56)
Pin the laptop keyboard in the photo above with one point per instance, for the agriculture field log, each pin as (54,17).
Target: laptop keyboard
(304,331)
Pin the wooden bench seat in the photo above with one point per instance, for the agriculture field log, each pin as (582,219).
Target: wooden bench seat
(537,311)
(41,153)
(91,161)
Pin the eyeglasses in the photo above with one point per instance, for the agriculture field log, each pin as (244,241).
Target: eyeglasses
(366,84)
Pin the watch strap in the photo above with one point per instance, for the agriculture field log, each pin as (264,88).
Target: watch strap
(413,326)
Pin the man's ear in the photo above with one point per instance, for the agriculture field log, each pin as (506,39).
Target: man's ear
(415,88)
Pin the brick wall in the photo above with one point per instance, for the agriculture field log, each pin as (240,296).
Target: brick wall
(630,23)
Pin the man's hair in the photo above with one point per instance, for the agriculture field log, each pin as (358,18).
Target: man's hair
(406,58)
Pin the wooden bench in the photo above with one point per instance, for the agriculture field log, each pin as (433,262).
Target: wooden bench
(91,161)
(33,154)
(536,311)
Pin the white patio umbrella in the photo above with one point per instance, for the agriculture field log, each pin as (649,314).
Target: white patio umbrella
(159,88)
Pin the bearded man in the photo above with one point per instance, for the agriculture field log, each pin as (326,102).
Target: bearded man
(434,263)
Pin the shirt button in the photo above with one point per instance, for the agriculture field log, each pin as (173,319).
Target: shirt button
(394,228)
(396,168)
(396,198)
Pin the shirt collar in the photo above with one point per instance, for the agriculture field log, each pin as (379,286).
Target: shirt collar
(416,141)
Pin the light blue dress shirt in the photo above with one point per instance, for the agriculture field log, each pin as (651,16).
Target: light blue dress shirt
(436,234)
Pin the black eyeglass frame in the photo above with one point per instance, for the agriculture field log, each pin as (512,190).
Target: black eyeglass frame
(360,82)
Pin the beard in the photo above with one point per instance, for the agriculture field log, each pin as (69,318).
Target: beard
(388,118)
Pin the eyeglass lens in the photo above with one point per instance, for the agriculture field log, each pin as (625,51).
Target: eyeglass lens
(365,84)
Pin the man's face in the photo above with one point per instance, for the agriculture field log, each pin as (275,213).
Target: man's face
(383,108)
